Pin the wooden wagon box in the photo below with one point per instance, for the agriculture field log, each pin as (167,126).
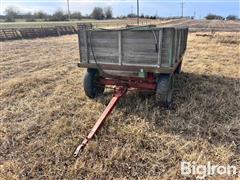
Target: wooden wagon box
(149,49)
(142,57)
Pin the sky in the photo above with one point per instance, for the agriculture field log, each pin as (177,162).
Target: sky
(161,8)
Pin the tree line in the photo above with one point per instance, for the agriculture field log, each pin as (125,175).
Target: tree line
(11,14)
(217,17)
(98,13)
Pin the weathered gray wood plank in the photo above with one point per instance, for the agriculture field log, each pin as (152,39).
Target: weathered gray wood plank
(134,47)
(120,47)
(160,39)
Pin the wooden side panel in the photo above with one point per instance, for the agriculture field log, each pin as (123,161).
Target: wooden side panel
(103,46)
(160,42)
(120,48)
(139,47)
(83,43)
(176,46)
(185,39)
(159,48)
(167,47)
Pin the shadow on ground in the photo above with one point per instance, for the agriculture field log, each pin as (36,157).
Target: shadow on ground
(205,106)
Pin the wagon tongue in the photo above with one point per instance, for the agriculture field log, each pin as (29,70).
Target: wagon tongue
(118,93)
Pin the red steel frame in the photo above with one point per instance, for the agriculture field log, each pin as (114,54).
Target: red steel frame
(122,84)
(148,83)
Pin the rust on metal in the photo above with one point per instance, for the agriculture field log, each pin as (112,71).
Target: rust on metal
(131,82)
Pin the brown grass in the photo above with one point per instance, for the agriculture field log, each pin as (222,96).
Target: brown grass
(45,115)
(228,38)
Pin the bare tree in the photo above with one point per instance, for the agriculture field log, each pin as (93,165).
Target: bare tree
(108,12)
(97,13)
(214,16)
(131,15)
(76,15)
(29,17)
(11,14)
(59,15)
(231,17)
(40,15)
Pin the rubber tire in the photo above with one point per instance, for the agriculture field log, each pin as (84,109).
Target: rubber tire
(90,83)
(164,90)
(179,68)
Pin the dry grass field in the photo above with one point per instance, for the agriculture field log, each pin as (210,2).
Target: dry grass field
(194,25)
(45,115)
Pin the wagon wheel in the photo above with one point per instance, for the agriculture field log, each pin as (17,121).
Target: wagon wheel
(91,84)
(164,90)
